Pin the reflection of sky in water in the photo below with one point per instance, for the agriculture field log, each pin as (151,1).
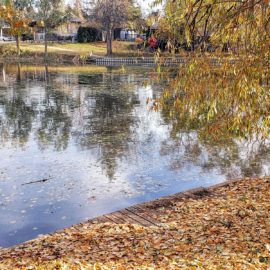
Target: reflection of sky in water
(102,148)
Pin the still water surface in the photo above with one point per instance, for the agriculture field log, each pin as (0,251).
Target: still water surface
(90,135)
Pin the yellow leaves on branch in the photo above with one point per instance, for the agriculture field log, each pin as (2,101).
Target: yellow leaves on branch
(221,97)
(242,24)
(15,18)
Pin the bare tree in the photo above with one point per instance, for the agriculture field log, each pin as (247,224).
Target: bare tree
(111,14)
(78,8)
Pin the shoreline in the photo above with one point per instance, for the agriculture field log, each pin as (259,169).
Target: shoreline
(155,219)
(142,218)
(36,58)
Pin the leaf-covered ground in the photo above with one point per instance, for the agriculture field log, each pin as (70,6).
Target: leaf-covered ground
(228,228)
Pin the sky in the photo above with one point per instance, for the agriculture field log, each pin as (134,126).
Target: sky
(145,5)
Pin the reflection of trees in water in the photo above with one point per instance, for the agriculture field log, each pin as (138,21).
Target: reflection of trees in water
(2,74)
(28,108)
(108,118)
(97,111)
(22,115)
(91,79)
(54,121)
(108,127)
(232,159)
(16,124)
(50,112)
(17,73)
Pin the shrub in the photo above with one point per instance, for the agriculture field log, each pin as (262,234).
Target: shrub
(27,36)
(89,34)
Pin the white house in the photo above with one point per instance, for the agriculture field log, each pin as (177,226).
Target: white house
(3,29)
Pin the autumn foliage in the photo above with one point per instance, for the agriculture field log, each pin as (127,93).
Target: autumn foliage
(222,91)
(15,18)
(227,228)
(243,26)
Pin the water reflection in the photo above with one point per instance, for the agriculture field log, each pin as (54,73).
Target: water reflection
(91,133)
(238,158)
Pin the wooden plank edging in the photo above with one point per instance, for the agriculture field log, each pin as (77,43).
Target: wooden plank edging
(143,213)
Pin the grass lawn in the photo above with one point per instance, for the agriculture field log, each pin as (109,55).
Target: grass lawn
(97,48)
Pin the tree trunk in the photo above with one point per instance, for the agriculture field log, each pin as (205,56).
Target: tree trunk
(109,42)
(46,43)
(17,38)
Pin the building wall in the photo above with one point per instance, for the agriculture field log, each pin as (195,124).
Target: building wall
(4,31)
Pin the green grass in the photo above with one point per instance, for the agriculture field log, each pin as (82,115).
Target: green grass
(66,48)
(65,52)
(97,48)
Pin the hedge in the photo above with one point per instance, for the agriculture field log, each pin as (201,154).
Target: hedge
(89,34)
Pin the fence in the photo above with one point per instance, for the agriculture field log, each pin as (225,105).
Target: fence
(136,61)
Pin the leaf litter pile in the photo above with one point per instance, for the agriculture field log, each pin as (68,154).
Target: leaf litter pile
(227,228)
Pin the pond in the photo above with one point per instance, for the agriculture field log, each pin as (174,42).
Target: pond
(79,142)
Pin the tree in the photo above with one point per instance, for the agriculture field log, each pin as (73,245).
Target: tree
(243,24)
(229,97)
(111,14)
(52,14)
(136,21)
(15,14)
(78,8)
